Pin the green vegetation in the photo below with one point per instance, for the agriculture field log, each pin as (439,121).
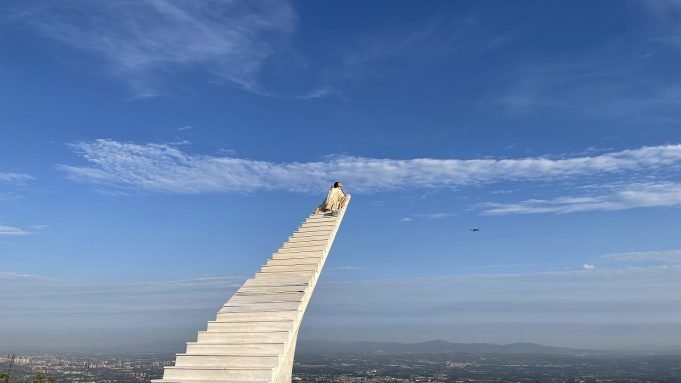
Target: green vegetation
(41,377)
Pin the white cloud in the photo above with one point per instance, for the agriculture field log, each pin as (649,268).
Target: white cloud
(434,215)
(164,168)
(12,276)
(11,231)
(12,180)
(15,178)
(429,216)
(179,143)
(145,42)
(589,266)
(226,151)
(632,196)
(669,257)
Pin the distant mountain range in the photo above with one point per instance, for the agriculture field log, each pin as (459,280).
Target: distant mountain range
(331,347)
(432,347)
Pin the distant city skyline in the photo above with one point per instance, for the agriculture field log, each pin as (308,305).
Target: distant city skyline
(156,153)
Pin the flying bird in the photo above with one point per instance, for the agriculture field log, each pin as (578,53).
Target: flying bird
(475,229)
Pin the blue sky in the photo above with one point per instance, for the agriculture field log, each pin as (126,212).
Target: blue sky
(154,154)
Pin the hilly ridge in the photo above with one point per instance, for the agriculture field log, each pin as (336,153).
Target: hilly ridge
(434,346)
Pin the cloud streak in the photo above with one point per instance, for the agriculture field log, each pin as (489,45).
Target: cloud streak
(148,41)
(11,231)
(166,168)
(632,196)
(15,178)
(666,257)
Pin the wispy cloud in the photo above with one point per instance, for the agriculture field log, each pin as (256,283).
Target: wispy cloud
(611,83)
(11,231)
(418,45)
(631,196)
(15,178)
(165,168)
(146,42)
(667,257)
(429,216)
(12,180)
(7,196)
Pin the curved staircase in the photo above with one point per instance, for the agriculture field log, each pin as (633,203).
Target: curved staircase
(253,338)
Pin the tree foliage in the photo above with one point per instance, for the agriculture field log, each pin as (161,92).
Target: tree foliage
(41,377)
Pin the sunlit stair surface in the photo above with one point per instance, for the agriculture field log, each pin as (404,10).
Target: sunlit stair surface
(253,338)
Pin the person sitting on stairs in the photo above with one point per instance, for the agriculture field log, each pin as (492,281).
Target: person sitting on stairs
(335,200)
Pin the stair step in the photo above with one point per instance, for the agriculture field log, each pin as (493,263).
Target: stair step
(275,274)
(213,373)
(319,228)
(240,298)
(255,326)
(241,349)
(313,230)
(272,289)
(257,316)
(226,360)
(259,306)
(304,245)
(293,261)
(284,274)
(270,281)
(304,249)
(318,225)
(321,218)
(205,337)
(309,235)
(206,381)
(292,279)
(305,241)
(276,268)
(298,255)
(317,256)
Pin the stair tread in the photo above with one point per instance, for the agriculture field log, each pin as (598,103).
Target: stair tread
(215,368)
(230,354)
(205,381)
(226,343)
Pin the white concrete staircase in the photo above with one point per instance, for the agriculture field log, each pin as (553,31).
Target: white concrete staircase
(253,338)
